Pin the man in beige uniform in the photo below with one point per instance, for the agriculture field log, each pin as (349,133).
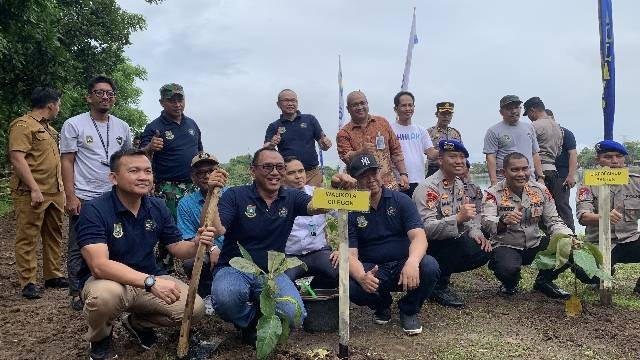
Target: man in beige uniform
(451,222)
(512,211)
(625,211)
(442,131)
(37,192)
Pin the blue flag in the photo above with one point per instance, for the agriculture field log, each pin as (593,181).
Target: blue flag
(413,39)
(607,61)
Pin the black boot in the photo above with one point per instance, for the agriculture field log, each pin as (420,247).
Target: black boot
(637,288)
(446,297)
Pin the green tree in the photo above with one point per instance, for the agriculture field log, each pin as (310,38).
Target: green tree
(479,168)
(62,44)
(238,169)
(587,158)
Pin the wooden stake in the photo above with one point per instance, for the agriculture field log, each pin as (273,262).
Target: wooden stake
(604,240)
(343,304)
(208,217)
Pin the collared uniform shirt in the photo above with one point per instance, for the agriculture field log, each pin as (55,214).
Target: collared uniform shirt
(549,136)
(297,138)
(438,134)
(438,201)
(188,216)
(256,226)
(352,137)
(131,239)
(380,235)
(624,198)
(181,143)
(39,142)
(536,205)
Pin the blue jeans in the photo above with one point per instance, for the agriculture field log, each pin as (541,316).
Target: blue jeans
(389,275)
(236,295)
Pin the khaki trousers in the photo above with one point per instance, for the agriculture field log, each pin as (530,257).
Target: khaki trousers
(106,300)
(45,222)
(314,177)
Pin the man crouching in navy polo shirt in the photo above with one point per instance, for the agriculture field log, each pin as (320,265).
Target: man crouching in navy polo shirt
(387,252)
(259,217)
(117,233)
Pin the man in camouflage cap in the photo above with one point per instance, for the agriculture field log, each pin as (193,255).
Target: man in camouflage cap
(171,141)
(625,210)
(512,212)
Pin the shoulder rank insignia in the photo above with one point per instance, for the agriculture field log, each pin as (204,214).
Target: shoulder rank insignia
(149,225)
(250,211)
(362,221)
(391,211)
(282,212)
(169,135)
(117,230)
(432,197)
(191,132)
(88,139)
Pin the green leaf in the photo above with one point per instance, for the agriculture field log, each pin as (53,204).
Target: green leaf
(586,261)
(245,253)
(245,265)
(275,260)
(563,251)
(544,261)
(603,275)
(267,303)
(553,242)
(269,330)
(593,249)
(272,285)
(292,262)
(284,336)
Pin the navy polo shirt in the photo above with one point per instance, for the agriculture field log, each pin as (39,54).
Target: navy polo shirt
(181,143)
(130,239)
(562,161)
(258,228)
(297,138)
(381,234)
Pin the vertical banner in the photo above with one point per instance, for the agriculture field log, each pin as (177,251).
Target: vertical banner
(413,39)
(340,96)
(607,62)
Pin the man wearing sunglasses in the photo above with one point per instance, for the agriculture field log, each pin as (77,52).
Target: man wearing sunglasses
(259,217)
(87,142)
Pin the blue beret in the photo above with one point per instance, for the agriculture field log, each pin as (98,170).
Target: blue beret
(610,145)
(453,145)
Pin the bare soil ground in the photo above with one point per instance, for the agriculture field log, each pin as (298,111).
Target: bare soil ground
(527,326)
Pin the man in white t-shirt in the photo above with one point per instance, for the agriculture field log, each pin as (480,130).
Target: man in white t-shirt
(87,142)
(414,140)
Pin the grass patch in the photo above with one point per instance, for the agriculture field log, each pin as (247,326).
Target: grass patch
(6,205)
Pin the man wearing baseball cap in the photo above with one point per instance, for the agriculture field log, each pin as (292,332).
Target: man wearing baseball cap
(625,210)
(171,141)
(387,250)
(508,136)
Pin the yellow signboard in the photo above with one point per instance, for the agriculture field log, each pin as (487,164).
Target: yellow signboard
(354,200)
(606,176)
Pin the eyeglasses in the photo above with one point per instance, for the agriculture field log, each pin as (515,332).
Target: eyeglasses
(268,168)
(358,104)
(101,93)
(292,101)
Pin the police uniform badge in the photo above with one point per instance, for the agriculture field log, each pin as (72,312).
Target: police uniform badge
(303,125)
(446,211)
(391,211)
(460,192)
(445,196)
(169,135)
(432,197)
(117,230)
(361,221)
(282,212)
(88,139)
(536,211)
(250,211)
(489,197)
(583,193)
(149,225)
(191,132)
(282,130)
(119,140)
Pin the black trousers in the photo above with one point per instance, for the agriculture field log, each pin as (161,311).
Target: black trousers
(507,262)
(456,255)
(325,276)
(411,189)
(625,253)
(561,195)
(206,275)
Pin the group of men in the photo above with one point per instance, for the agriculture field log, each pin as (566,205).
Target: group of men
(133,208)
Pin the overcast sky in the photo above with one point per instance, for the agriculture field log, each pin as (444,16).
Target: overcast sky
(232,57)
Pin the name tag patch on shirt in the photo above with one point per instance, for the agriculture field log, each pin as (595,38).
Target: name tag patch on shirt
(362,222)
(250,211)
(117,230)
(149,225)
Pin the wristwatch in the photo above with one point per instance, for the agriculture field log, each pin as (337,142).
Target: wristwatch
(149,281)
(405,174)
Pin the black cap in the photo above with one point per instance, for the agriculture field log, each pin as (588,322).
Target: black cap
(362,163)
(534,101)
(508,99)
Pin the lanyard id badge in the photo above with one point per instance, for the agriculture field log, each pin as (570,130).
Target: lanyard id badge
(379,142)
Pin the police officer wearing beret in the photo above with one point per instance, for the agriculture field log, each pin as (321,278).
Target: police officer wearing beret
(512,211)
(387,251)
(451,221)
(625,210)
